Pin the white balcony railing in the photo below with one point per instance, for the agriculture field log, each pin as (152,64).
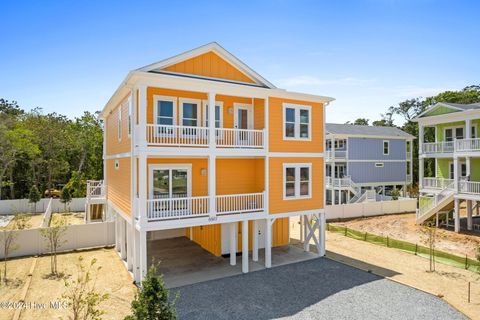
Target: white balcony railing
(436,183)
(239,203)
(466,145)
(339,155)
(470,187)
(438,147)
(177,135)
(95,189)
(194,207)
(240,138)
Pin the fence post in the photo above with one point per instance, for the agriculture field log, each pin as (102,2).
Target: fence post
(468,291)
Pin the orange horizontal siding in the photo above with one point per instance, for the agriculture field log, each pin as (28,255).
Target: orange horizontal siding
(118,184)
(113,145)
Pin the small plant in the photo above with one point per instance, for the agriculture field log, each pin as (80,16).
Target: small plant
(152,300)
(8,244)
(53,236)
(81,295)
(429,231)
(65,197)
(395,193)
(34,196)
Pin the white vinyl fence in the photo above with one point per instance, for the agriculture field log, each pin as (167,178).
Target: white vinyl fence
(31,242)
(368,209)
(23,206)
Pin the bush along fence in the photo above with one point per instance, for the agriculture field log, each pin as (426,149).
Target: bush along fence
(419,250)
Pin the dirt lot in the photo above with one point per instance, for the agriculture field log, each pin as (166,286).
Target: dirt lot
(448,282)
(112,279)
(32,220)
(70,217)
(403,227)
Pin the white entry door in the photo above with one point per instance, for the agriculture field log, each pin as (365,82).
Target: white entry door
(243,120)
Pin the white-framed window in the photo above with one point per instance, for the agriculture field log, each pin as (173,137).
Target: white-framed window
(340,144)
(165,110)
(452,133)
(190,112)
(130,110)
(117,164)
(119,124)
(379,165)
(297,120)
(297,181)
(386,147)
(218,114)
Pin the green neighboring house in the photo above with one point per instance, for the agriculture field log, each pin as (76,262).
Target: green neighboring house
(456,151)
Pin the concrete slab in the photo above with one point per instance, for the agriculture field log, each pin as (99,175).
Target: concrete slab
(183,262)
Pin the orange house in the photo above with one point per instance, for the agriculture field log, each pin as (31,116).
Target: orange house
(172,171)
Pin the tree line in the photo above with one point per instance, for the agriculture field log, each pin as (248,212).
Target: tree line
(409,109)
(47,151)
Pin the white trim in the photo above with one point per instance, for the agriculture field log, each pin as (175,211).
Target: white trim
(460,163)
(129,117)
(297,167)
(204,112)
(198,102)
(296,132)
(172,99)
(346,136)
(296,154)
(119,123)
(471,114)
(438,105)
(376,160)
(250,111)
(388,147)
(118,156)
(454,133)
(169,166)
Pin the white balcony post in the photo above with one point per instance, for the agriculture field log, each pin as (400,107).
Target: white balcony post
(130,248)
(322,233)
(268,243)
(123,240)
(468,129)
(455,173)
(456,215)
(143,254)
(245,246)
(468,164)
(212,212)
(142,188)
(233,243)
(211,120)
(420,139)
(142,116)
(255,240)
(421,166)
(306,244)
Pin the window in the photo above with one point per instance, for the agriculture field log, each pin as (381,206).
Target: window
(119,124)
(378,165)
(189,113)
(340,144)
(297,181)
(218,114)
(117,164)
(165,112)
(129,124)
(297,122)
(451,133)
(474,132)
(386,148)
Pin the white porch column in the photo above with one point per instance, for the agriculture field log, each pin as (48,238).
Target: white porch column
(123,240)
(268,243)
(233,243)
(455,173)
(212,186)
(143,254)
(421,167)
(136,255)
(306,243)
(322,233)
(211,119)
(130,248)
(468,164)
(245,246)
(456,215)
(469,215)
(142,188)
(142,117)
(421,138)
(468,129)
(255,240)
(117,232)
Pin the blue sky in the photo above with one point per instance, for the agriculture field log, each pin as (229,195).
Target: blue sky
(70,56)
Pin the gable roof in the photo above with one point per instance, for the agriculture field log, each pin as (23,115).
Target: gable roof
(455,107)
(159,67)
(378,131)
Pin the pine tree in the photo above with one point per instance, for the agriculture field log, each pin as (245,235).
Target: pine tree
(34,196)
(65,196)
(152,300)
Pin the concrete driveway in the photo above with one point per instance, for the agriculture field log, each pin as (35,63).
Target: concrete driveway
(314,289)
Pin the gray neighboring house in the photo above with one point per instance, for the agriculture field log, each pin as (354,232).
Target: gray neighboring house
(364,163)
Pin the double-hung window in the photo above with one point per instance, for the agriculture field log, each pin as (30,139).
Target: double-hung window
(297,180)
(296,122)
(189,115)
(386,147)
(165,114)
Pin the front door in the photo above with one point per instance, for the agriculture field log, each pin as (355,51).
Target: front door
(463,170)
(243,120)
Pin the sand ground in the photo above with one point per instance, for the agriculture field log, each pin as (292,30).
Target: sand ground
(403,227)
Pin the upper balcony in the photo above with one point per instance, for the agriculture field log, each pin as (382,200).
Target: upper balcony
(467,146)
(337,155)
(445,148)
(189,136)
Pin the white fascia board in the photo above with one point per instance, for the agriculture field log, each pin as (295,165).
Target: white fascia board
(470,114)
(439,104)
(346,136)
(135,78)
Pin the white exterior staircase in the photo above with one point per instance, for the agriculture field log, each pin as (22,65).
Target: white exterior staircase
(429,206)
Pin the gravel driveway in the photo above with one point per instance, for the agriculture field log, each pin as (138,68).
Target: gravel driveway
(314,289)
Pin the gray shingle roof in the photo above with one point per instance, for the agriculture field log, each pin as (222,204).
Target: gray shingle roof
(350,129)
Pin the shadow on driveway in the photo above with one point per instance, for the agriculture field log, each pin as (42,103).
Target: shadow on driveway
(314,289)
